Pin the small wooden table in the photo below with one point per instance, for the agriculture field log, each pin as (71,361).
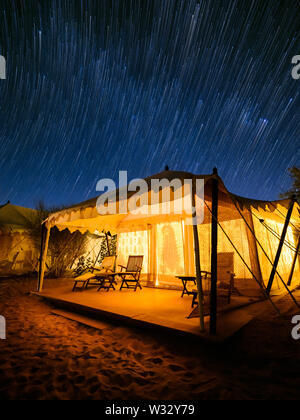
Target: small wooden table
(107,282)
(185,281)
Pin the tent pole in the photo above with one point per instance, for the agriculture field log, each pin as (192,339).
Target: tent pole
(294,263)
(43,258)
(214,254)
(197,260)
(281,243)
(41,254)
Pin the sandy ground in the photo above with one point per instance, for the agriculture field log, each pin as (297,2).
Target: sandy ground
(48,357)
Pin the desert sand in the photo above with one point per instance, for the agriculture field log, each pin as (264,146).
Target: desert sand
(49,357)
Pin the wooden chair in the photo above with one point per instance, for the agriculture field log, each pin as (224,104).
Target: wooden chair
(225,290)
(106,278)
(96,275)
(206,279)
(132,274)
(107,282)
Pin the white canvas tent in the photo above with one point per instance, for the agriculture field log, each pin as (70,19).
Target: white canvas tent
(249,233)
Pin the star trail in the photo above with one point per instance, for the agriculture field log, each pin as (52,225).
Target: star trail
(94,87)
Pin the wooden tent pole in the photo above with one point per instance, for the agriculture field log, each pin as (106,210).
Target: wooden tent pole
(294,263)
(214,255)
(281,243)
(197,260)
(43,257)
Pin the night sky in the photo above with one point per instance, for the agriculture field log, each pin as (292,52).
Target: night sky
(95,87)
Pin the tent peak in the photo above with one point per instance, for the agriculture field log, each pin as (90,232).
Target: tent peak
(4,205)
(14,217)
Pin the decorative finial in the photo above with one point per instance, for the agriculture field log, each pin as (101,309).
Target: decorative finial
(215,171)
(167,168)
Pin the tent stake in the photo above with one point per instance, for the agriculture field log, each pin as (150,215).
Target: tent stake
(43,258)
(197,261)
(294,263)
(214,255)
(281,243)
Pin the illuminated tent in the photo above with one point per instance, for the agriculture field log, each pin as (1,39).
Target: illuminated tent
(18,250)
(249,235)
(257,240)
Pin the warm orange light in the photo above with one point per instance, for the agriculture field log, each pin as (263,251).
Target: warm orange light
(133,243)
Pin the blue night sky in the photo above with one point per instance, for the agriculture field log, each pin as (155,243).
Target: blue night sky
(95,87)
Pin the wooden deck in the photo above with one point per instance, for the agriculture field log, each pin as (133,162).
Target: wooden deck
(149,307)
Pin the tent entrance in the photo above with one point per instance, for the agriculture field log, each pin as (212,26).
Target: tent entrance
(170,254)
(164,255)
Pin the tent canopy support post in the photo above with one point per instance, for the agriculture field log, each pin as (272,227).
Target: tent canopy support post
(41,255)
(294,263)
(44,251)
(197,259)
(281,243)
(214,255)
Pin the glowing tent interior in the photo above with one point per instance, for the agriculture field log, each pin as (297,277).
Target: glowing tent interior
(250,238)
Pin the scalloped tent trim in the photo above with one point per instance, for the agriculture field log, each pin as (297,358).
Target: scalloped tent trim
(84,216)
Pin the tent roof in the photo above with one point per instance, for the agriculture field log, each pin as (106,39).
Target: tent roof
(85,217)
(16,218)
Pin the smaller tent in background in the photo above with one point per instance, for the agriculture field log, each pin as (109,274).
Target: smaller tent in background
(19,249)
(20,242)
